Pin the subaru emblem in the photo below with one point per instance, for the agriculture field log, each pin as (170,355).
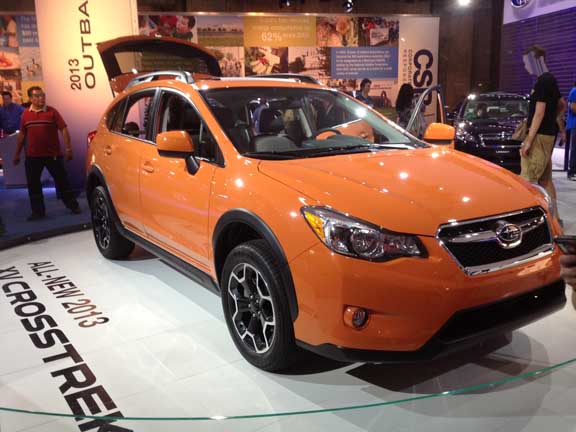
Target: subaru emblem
(508,235)
(519,3)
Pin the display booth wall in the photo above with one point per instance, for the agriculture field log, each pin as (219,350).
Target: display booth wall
(548,24)
(339,50)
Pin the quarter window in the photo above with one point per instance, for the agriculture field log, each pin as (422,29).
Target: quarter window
(135,122)
(113,122)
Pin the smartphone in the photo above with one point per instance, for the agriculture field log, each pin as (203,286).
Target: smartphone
(567,244)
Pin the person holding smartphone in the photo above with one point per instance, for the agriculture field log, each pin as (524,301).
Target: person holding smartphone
(568,266)
(567,261)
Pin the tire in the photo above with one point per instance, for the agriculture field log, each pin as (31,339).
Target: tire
(257,313)
(109,241)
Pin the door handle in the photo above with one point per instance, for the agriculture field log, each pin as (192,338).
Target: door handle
(108,150)
(148,167)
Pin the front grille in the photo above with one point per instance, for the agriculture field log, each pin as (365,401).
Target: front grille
(477,248)
(498,140)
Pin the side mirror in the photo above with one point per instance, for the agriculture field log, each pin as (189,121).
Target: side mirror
(178,144)
(440,134)
(174,143)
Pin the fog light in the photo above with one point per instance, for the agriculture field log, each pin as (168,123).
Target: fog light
(355,317)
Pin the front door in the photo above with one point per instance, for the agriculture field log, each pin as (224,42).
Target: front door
(176,203)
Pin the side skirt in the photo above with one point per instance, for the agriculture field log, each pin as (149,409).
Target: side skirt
(173,261)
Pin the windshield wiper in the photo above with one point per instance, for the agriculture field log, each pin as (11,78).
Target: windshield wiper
(272,155)
(356,148)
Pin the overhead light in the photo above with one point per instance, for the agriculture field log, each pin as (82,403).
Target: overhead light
(464,3)
(348,6)
(285,3)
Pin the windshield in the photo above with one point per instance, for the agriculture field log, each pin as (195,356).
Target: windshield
(495,109)
(287,123)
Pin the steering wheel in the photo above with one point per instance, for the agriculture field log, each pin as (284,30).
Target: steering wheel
(327,129)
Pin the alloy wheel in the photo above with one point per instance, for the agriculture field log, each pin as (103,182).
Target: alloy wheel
(252,308)
(101,222)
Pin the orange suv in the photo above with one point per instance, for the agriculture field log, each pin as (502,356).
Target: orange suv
(319,222)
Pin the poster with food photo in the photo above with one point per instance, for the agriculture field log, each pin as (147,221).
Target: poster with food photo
(230,59)
(265,60)
(9,58)
(339,31)
(30,64)
(378,31)
(11,80)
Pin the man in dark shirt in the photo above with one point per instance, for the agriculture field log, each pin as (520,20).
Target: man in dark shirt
(363,94)
(546,107)
(10,114)
(40,125)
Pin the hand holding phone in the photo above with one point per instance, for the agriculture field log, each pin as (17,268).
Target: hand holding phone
(567,244)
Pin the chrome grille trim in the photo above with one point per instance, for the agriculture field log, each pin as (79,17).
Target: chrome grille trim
(489,236)
(498,140)
(484,236)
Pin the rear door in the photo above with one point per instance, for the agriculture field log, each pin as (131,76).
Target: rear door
(127,57)
(123,142)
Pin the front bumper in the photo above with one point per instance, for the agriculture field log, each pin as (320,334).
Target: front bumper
(409,300)
(464,329)
(507,157)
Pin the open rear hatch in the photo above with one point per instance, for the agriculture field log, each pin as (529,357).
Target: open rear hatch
(129,56)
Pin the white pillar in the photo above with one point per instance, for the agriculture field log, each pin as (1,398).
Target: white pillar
(74,77)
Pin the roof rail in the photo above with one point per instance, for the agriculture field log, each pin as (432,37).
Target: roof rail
(183,76)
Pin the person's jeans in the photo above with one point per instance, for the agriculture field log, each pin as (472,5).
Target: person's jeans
(55,165)
(571,149)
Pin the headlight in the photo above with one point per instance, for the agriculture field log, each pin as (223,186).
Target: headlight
(462,135)
(547,198)
(352,237)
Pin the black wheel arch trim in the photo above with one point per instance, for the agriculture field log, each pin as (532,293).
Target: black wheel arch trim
(258,225)
(179,264)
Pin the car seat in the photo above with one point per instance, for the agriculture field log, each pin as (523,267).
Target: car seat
(236,130)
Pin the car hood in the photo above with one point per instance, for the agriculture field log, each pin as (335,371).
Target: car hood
(410,191)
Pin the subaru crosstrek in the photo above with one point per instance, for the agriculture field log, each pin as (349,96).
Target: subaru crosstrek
(319,222)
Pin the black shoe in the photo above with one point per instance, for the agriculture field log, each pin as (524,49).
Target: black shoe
(35,216)
(572,178)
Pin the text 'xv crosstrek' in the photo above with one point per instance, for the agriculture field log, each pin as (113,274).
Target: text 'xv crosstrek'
(321,223)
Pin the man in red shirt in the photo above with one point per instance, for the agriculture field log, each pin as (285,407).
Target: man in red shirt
(39,125)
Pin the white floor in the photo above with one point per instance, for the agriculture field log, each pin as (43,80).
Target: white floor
(166,353)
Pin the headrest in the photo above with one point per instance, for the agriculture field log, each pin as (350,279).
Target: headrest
(270,121)
(225,117)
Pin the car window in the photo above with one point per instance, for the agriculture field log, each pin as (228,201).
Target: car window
(113,118)
(495,109)
(301,122)
(135,121)
(176,112)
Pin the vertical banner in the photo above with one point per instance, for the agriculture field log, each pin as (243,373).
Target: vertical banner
(74,77)
(419,56)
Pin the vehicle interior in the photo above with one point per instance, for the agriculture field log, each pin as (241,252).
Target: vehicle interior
(300,121)
(478,109)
